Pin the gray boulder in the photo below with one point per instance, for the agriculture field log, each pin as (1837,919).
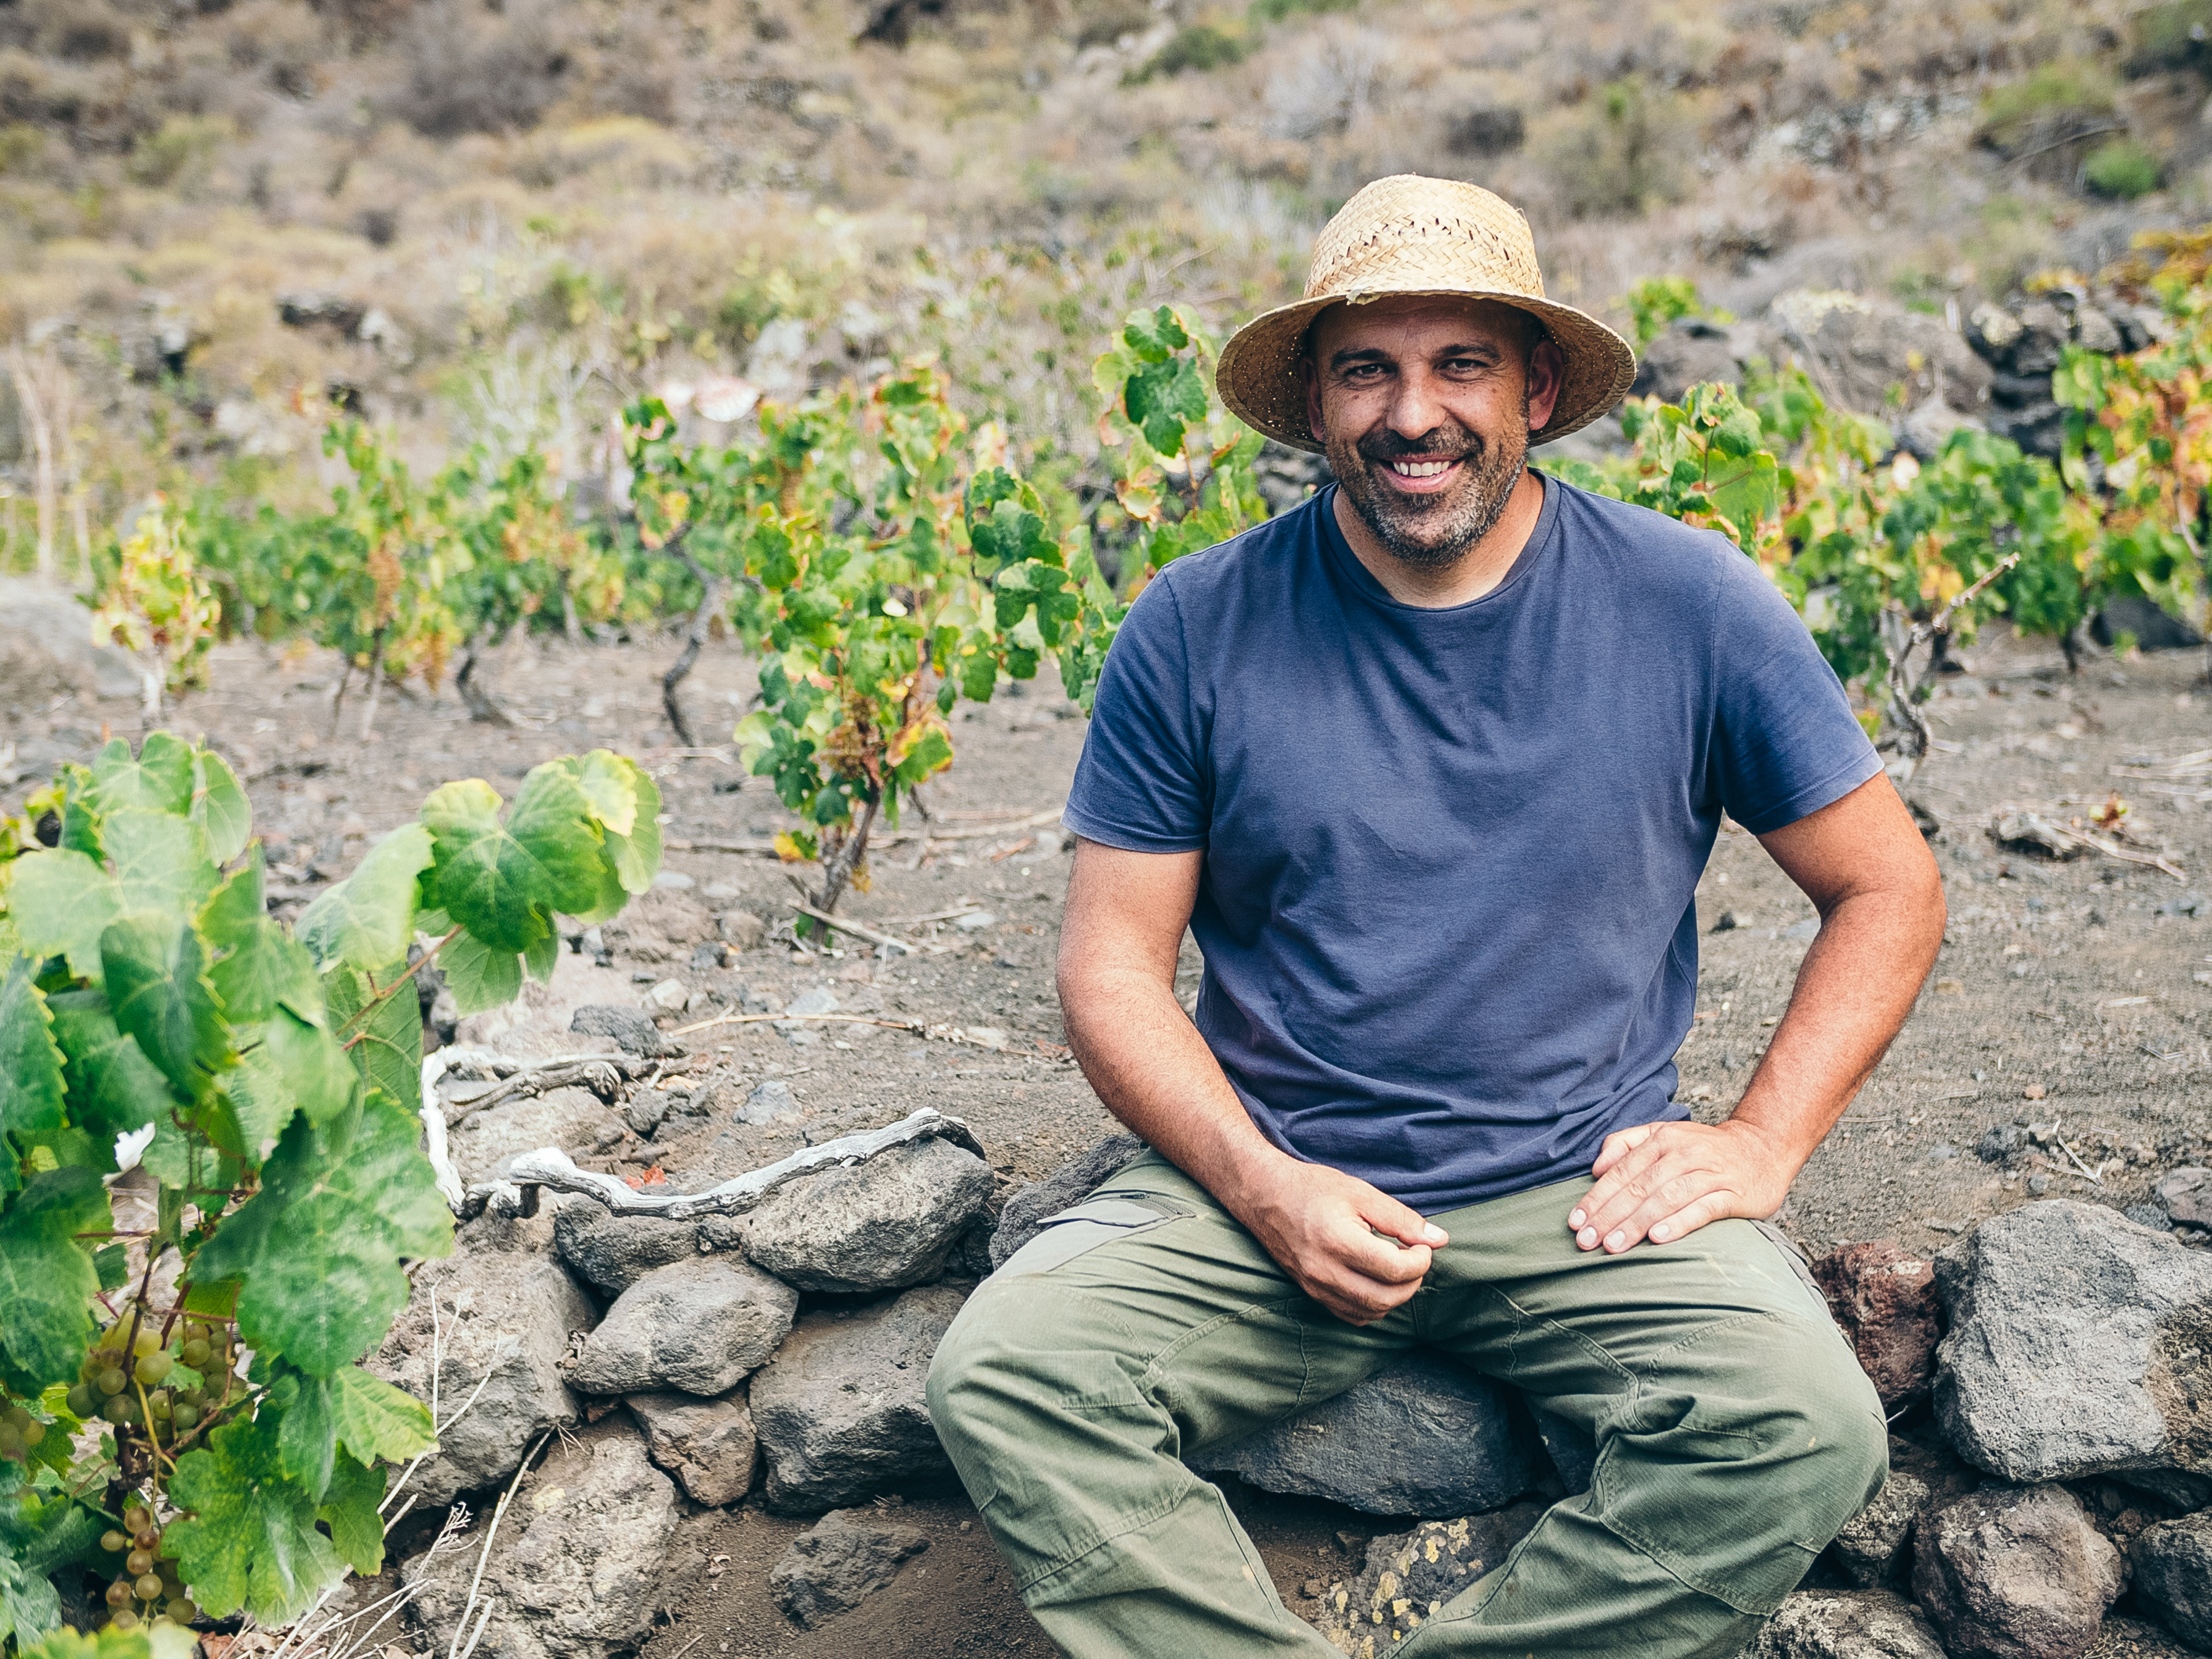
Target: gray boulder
(1422,1435)
(46,649)
(1571,1447)
(849,1556)
(1859,348)
(1861,1624)
(1875,1547)
(626,1028)
(484,1145)
(1410,1575)
(503,1321)
(577,1580)
(700,1326)
(840,1409)
(769,1102)
(2014,1573)
(1691,350)
(707,1444)
(609,1252)
(1029,1207)
(2074,1350)
(2186,1195)
(878,1225)
(2172,1564)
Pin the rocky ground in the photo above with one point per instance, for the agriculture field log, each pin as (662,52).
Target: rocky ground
(2057,1053)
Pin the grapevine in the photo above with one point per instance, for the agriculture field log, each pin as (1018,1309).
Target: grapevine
(268,1080)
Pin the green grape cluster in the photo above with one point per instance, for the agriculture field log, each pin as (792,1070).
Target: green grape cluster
(125,1378)
(20,1431)
(148,1589)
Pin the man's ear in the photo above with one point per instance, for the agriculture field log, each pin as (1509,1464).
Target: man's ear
(1548,373)
(1311,378)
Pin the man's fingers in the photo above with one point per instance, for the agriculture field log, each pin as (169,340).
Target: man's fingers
(1713,1206)
(1619,1144)
(1634,1165)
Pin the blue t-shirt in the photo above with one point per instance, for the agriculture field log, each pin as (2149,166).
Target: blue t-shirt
(1452,855)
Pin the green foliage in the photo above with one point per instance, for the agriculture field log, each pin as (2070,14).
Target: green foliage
(1654,303)
(1621,150)
(1199,47)
(2122,169)
(1276,11)
(2063,90)
(270,1081)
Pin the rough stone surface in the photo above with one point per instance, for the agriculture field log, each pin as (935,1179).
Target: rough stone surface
(660,926)
(591,1534)
(707,1444)
(840,1410)
(2014,1573)
(2131,1638)
(878,1225)
(1875,1549)
(849,1556)
(1861,1624)
(2172,1564)
(574,1119)
(2186,1195)
(612,1253)
(1862,346)
(2079,1345)
(1423,1435)
(769,1103)
(504,1318)
(699,1325)
(628,1028)
(1410,1575)
(1029,1207)
(1690,351)
(47,649)
(1885,1300)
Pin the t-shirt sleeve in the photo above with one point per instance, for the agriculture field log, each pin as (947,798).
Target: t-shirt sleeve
(1141,782)
(1787,743)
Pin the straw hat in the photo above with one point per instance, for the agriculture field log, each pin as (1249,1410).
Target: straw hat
(1410,235)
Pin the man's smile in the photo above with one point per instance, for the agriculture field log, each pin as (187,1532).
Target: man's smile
(1419,474)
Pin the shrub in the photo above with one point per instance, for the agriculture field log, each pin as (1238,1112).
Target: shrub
(2058,99)
(1201,46)
(1622,151)
(1275,11)
(159,158)
(2122,169)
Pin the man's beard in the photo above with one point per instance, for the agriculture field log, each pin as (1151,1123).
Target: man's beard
(1437,530)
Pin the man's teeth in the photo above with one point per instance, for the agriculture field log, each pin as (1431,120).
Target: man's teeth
(1420,469)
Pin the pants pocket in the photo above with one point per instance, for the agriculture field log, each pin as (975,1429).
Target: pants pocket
(1103,1219)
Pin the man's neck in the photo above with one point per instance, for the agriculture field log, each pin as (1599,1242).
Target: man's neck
(1473,573)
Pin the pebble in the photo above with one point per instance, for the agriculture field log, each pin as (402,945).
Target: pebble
(974,921)
(675,878)
(670,996)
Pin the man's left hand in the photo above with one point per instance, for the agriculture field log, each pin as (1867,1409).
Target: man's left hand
(1664,1181)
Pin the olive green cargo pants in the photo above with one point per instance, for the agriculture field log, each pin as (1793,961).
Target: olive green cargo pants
(1736,1432)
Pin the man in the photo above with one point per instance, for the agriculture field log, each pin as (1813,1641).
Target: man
(1432,766)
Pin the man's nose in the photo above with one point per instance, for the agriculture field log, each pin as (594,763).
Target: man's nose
(1416,409)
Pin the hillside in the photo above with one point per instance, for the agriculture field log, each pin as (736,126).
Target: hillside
(489,223)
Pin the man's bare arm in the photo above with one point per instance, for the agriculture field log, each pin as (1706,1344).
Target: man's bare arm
(1124,923)
(1862,863)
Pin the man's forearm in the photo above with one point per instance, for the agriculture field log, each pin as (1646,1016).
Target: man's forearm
(1153,1071)
(1854,991)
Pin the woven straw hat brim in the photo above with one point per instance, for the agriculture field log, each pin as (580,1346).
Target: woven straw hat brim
(1257,374)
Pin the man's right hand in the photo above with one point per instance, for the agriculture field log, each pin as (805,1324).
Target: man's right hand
(1353,1249)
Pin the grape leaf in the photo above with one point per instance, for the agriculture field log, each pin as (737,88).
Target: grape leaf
(159,780)
(219,807)
(375,1420)
(30,1605)
(479,977)
(259,970)
(542,958)
(369,919)
(318,1246)
(306,1439)
(387,1045)
(251,1542)
(158,986)
(608,785)
(161,1641)
(46,1277)
(160,862)
(1164,398)
(350,1509)
(632,846)
(503,882)
(62,901)
(30,1061)
(113,1086)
